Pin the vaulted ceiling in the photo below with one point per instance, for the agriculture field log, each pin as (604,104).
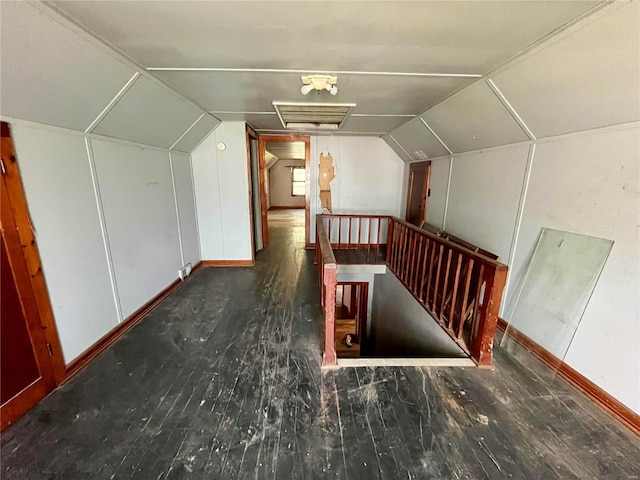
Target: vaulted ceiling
(394,60)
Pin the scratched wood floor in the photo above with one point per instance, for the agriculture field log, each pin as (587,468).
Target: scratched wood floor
(223,381)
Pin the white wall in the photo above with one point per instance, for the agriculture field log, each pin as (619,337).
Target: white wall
(222,194)
(591,185)
(106,225)
(186,205)
(576,97)
(368,176)
(487,215)
(58,183)
(140,217)
(280,184)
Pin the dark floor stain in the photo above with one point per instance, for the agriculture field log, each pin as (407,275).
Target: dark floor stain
(223,381)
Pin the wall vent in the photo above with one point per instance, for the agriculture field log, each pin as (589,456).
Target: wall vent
(312,116)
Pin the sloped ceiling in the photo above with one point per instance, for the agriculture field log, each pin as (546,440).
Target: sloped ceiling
(586,77)
(393,59)
(53,73)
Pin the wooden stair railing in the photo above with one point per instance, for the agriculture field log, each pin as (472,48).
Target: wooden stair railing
(457,283)
(461,288)
(327,280)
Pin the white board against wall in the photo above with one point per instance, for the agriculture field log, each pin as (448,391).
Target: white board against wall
(590,185)
(181,164)
(62,204)
(484,197)
(139,209)
(438,185)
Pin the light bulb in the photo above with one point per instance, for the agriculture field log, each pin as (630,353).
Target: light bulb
(333,90)
(306,89)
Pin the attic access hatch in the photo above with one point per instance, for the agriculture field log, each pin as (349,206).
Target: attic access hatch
(321,116)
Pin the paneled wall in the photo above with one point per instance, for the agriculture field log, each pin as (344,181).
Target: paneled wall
(368,176)
(552,140)
(112,203)
(222,194)
(106,222)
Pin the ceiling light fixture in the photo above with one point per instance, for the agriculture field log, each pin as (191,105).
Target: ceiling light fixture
(319,82)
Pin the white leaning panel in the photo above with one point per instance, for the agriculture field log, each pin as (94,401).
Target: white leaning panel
(590,185)
(414,135)
(181,164)
(484,197)
(203,127)
(57,179)
(438,186)
(140,214)
(148,114)
(587,80)
(474,119)
(50,74)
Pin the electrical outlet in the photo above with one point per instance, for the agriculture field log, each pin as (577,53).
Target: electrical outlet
(185,271)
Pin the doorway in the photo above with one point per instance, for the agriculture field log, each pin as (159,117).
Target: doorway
(31,357)
(351,318)
(285,176)
(255,190)
(418,193)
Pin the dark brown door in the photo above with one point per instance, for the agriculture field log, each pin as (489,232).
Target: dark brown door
(418,192)
(31,364)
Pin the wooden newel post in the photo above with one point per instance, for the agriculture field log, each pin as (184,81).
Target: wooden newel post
(482,348)
(330,281)
(389,241)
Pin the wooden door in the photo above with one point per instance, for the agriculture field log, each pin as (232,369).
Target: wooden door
(418,192)
(30,357)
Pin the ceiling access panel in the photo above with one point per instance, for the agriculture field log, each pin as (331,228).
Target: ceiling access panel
(51,74)
(419,142)
(396,148)
(474,119)
(192,138)
(149,114)
(588,79)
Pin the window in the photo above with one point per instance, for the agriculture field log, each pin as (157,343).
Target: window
(298,187)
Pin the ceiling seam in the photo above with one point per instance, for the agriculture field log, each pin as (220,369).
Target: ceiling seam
(322,72)
(437,136)
(187,131)
(112,103)
(512,111)
(401,147)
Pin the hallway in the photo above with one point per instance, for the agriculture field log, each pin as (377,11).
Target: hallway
(222,380)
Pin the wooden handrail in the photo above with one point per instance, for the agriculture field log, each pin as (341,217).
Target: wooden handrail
(478,257)
(460,287)
(327,280)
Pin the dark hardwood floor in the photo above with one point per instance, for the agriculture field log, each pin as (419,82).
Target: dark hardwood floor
(223,381)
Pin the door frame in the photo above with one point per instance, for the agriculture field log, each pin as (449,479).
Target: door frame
(26,266)
(251,133)
(362,307)
(262,142)
(427,187)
